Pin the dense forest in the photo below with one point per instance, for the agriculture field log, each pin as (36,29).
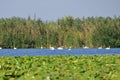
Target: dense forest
(66,31)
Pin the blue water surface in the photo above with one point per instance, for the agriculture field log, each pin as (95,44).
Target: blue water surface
(48,52)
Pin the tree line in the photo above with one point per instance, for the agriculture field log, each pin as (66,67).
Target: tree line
(66,31)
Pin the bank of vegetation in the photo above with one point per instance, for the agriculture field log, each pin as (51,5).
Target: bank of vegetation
(60,67)
(67,31)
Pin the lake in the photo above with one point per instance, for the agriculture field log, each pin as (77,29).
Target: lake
(48,52)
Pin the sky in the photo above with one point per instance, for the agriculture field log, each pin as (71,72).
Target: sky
(54,9)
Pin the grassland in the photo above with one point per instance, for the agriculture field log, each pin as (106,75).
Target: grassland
(60,67)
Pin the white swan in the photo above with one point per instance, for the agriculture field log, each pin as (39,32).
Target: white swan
(0,47)
(41,47)
(60,48)
(108,48)
(85,47)
(14,48)
(100,47)
(69,48)
(52,48)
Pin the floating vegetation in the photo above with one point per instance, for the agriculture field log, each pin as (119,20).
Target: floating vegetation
(60,67)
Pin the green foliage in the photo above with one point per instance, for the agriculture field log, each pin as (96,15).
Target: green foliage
(66,32)
(60,67)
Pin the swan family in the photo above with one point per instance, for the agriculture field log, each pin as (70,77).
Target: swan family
(107,48)
(84,47)
(61,48)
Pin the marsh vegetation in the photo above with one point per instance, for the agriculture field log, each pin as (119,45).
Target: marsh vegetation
(60,67)
(67,31)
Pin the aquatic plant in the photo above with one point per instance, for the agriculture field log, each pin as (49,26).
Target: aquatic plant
(60,67)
